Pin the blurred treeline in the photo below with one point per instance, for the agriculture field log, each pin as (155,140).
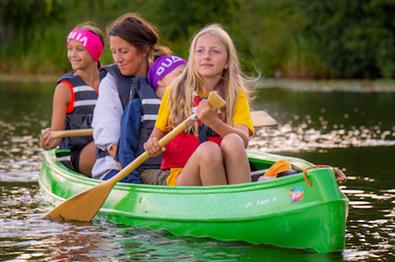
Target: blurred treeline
(276,38)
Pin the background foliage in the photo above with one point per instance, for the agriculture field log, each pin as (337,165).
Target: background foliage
(282,38)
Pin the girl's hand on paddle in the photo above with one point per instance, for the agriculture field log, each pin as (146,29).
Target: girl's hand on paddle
(46,141)
(206,114)
(152,146)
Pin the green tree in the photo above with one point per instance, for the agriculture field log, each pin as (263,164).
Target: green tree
(355,38)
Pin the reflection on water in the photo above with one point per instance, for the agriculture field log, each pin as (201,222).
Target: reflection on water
(351,130)
(19,155)
(303,137)
(371,225)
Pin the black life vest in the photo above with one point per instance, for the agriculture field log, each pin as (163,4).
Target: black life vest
(140,105)
(80,114)
(138,121)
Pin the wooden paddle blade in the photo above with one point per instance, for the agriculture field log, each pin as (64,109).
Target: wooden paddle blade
(72,133)
(262,119)
(83,206)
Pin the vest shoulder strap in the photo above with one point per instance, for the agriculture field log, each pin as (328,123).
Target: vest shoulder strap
(123,83)
(73,79)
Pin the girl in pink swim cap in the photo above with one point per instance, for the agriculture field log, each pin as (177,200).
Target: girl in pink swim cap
(75,97)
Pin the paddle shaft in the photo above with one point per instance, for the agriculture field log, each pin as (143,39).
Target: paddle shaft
(85,205)
(71,133)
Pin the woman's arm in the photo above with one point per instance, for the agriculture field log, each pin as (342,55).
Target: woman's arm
(107,115)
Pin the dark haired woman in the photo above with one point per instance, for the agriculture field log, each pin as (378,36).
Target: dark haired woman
(133,44)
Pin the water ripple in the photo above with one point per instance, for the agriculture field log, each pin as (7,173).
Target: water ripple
(302,137)
(372,236)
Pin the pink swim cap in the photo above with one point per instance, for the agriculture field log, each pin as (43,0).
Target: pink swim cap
(89,40)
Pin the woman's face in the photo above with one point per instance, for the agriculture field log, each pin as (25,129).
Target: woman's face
(130,61)
(78,55)
(210,56)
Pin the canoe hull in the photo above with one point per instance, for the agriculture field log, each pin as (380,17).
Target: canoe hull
(284,212)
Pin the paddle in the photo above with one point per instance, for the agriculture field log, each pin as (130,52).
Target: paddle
(259,119)
(85,205)
(262,119)
(71,133)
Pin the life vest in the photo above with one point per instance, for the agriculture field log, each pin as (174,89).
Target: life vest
(80,109)
(180,149)
(123,83)
(140,105)
(137,123)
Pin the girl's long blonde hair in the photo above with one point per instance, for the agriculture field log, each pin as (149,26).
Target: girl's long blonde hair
(190,82)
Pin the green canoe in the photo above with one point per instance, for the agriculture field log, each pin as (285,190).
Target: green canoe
(285,212)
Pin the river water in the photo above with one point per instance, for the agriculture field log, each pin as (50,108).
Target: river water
(350,129)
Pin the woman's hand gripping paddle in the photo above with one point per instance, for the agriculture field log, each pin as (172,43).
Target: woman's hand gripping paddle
(85,205)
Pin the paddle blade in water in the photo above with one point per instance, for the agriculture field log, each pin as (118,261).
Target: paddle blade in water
(83,206)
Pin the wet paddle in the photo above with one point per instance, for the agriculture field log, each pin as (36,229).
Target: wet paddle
(259,119)
(85,205)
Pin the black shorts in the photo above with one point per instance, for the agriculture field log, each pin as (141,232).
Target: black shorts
(74,161)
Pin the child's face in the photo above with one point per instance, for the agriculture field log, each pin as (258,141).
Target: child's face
(210,56)
(78,55)
(167,79)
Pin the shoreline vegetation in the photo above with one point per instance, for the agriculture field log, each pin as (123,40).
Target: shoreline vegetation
(277,39)
(305,85)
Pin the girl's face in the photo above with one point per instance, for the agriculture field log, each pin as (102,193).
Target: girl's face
(167,79)
(210,56)
(130,61)
(78,56)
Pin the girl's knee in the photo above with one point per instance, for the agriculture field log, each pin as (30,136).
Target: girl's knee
(232,142)
(209,152)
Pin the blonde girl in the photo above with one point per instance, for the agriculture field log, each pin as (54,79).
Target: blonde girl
(213,151)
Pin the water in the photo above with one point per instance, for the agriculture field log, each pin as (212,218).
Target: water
(353,130)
